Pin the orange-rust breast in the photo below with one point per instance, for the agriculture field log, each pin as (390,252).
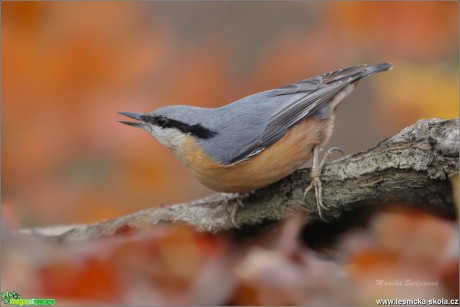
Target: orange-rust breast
(275,162)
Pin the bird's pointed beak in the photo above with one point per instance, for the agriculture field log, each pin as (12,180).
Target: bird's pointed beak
(136,116)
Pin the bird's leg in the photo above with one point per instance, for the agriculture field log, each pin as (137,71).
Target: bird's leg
(233,200)
(315,178)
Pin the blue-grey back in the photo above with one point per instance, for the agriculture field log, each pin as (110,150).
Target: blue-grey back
(239,125)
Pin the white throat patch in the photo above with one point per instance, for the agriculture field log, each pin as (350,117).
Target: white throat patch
(169,137)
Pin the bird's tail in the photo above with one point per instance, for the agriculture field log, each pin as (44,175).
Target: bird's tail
(376,68)
(356,72)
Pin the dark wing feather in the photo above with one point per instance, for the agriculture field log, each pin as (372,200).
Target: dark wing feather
(302,99)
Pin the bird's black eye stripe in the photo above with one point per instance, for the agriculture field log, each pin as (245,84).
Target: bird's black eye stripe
(159,121)
(196,130)
(201,132)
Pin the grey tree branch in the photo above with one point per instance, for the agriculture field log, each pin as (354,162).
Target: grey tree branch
(411,167)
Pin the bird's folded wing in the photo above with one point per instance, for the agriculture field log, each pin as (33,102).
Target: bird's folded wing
(302,99)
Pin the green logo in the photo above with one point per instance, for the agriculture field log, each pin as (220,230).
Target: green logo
(12,298)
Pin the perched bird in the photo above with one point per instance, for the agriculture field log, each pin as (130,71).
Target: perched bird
(259,139)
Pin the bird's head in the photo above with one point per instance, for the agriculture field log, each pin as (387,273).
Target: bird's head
(170,125)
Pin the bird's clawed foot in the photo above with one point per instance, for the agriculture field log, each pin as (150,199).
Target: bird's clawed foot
(315,178)
(233,200)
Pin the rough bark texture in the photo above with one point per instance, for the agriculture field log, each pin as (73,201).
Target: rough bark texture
(412,167)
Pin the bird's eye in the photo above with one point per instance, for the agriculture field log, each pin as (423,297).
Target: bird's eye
(162,121)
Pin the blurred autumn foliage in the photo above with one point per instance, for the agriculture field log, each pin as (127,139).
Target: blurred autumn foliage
(69,67)
(173,265)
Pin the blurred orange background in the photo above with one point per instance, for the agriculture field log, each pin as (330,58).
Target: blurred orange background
(69,67)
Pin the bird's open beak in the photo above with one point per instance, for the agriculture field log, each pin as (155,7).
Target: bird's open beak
(136,116)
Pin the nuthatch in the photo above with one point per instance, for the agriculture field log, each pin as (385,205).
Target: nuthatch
(259,139)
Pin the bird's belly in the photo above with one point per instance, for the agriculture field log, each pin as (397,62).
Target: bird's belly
(272,164)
